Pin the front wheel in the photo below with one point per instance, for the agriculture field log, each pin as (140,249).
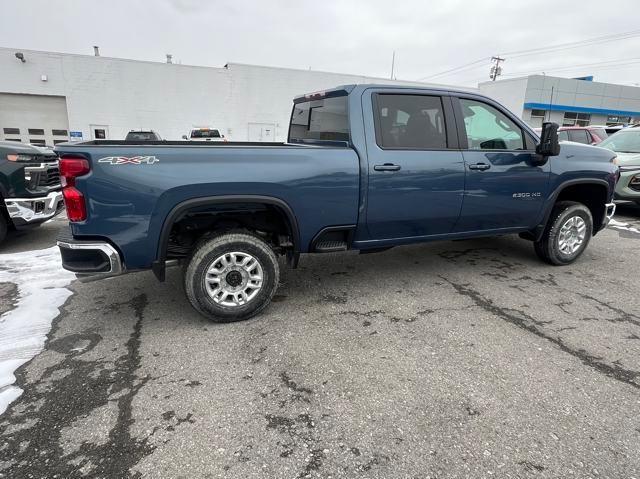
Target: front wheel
(567,234)
(231,277)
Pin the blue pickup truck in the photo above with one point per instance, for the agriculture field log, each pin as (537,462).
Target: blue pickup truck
(365,167)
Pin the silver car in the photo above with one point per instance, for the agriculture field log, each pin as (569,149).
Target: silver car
(626,144)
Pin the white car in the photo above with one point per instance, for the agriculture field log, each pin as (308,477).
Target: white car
(204,134)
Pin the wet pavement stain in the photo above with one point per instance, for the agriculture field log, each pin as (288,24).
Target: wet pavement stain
(526,322)
(71,397)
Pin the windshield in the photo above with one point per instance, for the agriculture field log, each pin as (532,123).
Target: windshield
(623,142)
(141,135)
(205,134)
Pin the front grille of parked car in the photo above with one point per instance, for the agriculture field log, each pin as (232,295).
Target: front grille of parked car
(50,176)
(44,176)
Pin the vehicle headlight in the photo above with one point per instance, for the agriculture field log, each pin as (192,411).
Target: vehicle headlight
(19,158)
(635,180)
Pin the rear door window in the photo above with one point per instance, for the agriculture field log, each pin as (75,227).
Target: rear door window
(563,136)
(410,122)
(324,119)
(579,136)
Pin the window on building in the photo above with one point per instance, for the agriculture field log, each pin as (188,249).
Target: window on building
(576,119)
(538,113)
(59,132)
(36,141)
(14,139)
(613,120)
(537,117)
(99,134)
(11,131)
(36,131)
(488,128)
(410,121)
(55,142)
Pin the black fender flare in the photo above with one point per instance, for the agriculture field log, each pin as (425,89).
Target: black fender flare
(552,198)
(176,213)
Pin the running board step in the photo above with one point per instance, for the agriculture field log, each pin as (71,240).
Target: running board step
(330,246)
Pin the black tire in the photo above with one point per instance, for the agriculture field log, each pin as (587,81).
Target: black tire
(3,227)
(548,249)
(203,257)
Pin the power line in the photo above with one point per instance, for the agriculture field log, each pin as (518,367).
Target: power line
(547,49)
(466,66)
(575,44)
(541,71)
(610,63)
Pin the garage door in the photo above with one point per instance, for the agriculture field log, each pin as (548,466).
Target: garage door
(37,119)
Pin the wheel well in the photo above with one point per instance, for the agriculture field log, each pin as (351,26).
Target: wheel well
(593,196)
(269,221)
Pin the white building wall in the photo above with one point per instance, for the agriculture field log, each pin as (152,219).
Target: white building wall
(168,98)
(510,93)
(587,94)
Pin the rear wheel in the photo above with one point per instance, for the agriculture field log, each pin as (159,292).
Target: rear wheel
(567,234)
(231,277)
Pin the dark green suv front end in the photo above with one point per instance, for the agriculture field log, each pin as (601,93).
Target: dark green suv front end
(30,190)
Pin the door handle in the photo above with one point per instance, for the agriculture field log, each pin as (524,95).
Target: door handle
(387,167)
(479,166)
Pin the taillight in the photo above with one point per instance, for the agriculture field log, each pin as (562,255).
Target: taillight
(72,167)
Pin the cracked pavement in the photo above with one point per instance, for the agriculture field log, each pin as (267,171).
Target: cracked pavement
(450,359)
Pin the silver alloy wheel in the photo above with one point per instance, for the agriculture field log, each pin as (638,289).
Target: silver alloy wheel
(234,279)
(572,234)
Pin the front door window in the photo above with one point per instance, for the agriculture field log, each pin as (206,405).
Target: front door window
(488,128)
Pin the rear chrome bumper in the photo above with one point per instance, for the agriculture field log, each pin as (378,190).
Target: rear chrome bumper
(28,211)
(90,259)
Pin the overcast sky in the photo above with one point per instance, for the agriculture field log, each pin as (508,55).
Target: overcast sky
(341,36)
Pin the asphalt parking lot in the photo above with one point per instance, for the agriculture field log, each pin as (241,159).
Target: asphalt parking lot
(452,359)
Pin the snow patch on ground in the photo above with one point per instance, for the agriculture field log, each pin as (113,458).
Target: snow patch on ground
(623,226)
(41,284)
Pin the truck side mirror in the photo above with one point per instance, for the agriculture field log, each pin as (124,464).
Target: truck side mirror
(549,143)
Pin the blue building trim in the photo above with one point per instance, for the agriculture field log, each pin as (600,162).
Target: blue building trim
(579,109)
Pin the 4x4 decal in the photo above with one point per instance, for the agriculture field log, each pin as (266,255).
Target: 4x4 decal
(126,160)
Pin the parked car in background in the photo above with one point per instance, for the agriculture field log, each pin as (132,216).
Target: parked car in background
(365,167)
(626,144)
(589,135)
(142,135)
(204,134)
(611,129)
(30,190)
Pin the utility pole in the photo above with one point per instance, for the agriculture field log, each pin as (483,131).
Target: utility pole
(393,63)
(496,70)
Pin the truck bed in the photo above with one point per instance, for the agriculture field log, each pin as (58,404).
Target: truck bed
(128,202)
